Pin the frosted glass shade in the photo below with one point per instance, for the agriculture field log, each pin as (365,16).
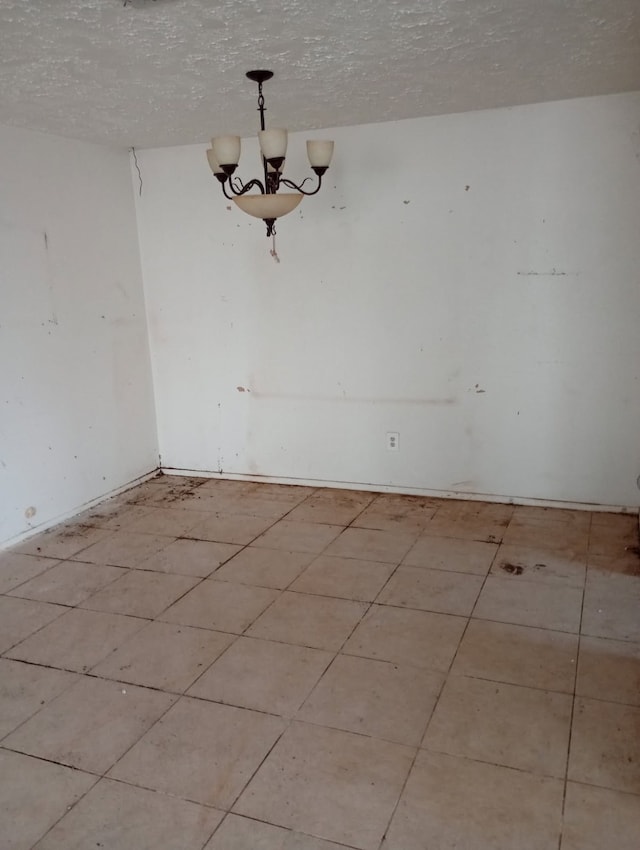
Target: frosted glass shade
(214,165)
(268,206)
(273,143)
(226,149)
(319,152)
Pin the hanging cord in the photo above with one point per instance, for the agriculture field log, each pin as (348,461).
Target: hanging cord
(273,251)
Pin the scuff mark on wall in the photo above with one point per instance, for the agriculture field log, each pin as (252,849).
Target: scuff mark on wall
(444,401)
(635,138)
(552,273)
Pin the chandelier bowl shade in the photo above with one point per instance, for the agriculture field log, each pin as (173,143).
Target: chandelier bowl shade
(269,206)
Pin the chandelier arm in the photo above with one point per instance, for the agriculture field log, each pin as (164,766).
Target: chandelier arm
(225,193)
(299,188)
(244,188)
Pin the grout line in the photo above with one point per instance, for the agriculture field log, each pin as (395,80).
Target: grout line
(574,696)
(435,706)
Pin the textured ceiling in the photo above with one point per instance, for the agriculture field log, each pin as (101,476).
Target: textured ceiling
(164,72)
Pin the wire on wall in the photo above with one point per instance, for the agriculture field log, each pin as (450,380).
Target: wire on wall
(135,159)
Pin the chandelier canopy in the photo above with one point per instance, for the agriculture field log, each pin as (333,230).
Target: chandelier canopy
(270,204)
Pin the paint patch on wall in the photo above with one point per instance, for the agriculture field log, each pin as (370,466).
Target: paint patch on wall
(27,298)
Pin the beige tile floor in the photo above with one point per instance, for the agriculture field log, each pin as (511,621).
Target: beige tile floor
(216,665)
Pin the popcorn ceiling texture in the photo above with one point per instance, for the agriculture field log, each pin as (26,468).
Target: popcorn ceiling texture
(172,72)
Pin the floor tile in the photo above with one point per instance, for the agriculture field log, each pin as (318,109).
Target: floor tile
(114,514)
(559,536)
(25,688)
(595,818)
(372,545)
(469,520)
(270,507)
(78,640)
(613,534)
(165,490)
(623,561)
(440,591)
(315,621)
(229,528)
(168,522)
(402,514)
(525,728)
(377,698)
(90,725)
(263,675)
(610,670)
(463,528)
(190,558)
(566,518)
(348,578)
(330,784)
(293,493)
(447,553)
(238,833)
(201,751)
(518,655)
(451,802)
(68,583)
(63,541)
(473,510)
(115,816)
(611,603)
(124,549)
(33,795)
(140,593)
(220,605)
(15,569)
(21,617)
(605,746)
(404,636)
(298,536)
(164,656)
(198,501)
(208,498)
(333,507)
(512,599)
(265,567)
(538,564)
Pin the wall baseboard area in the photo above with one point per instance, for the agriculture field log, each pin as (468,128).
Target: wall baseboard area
(45,526)
(408,491)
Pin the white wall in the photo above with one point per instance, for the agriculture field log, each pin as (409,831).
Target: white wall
(76,401)
(470,281)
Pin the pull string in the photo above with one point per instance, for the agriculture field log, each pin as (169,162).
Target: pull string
(273,251)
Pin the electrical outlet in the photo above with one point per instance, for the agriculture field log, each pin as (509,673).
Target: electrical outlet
(393,441)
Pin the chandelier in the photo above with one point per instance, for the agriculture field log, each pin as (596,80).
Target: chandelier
(270,204)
